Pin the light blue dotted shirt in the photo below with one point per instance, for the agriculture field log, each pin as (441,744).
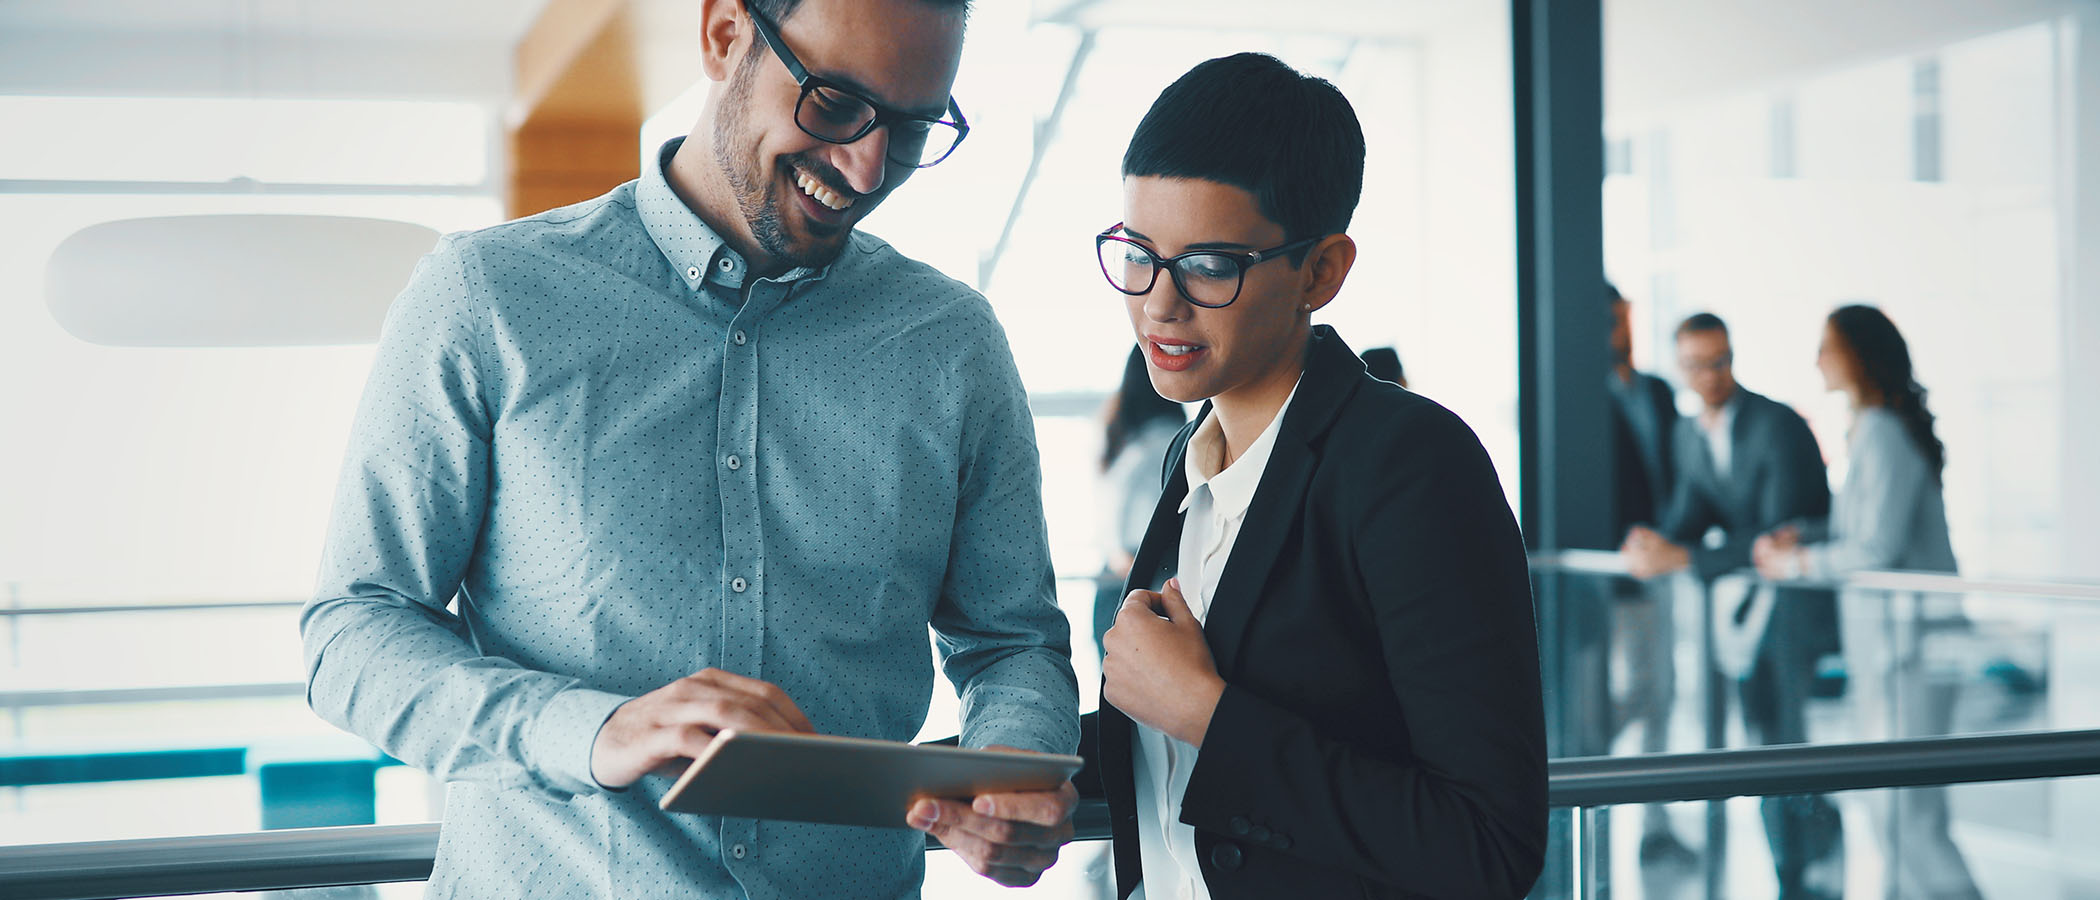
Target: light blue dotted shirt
(627,461)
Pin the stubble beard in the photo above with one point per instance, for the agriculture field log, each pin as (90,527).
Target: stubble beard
(748,182)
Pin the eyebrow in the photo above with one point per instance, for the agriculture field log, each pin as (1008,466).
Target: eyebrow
(1205,245)
(855,86)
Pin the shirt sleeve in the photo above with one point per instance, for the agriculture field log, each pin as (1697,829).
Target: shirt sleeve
(1003,641)
(1886,478)
(385,658)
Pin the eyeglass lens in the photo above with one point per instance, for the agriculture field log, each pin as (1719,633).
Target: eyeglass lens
(840,117)
(1207,279)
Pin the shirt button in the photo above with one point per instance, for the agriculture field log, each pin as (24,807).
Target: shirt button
(692,272)
(738,585)
(738,338)
(734,463)
(738,851)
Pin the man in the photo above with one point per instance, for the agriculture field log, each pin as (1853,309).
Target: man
(698,455)
(1747,465)
(1644,422)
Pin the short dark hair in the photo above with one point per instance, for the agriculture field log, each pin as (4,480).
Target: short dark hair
(1384,364)
(1701,322)
(1612,297)
(780,10)
(1250,121)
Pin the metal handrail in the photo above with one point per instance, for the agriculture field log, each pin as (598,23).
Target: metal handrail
(1580,562)
(370,854)
(1606,562)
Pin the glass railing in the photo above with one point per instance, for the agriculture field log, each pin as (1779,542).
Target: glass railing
(1672,665)
(222,741)
(2009,842)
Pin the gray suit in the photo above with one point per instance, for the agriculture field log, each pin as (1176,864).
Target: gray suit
(1890,515)
(1775,476)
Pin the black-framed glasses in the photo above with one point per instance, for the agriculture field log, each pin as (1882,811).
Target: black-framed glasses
(835,114)
(1208,278)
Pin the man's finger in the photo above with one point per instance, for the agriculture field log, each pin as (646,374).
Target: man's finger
(765,692)
(997,831)
(1044,808)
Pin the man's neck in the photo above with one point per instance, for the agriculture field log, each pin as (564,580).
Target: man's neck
(700,185)
(1711,416)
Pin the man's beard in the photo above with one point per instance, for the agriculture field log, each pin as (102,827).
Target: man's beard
(748,179)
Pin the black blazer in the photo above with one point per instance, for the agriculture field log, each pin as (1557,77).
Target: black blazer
(1644,432)
(1381,732)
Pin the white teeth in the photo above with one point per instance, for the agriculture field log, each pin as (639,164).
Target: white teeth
(1176,349)
(817,191)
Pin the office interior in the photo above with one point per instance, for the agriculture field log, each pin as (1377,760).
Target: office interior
(171,427)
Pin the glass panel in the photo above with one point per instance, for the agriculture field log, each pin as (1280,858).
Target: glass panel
(1777,164)
(1630,671)
(158,477)
(2002,839)
(215,139)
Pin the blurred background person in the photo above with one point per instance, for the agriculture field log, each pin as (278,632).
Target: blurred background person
(1746,465)
(1644,419)
(1137,426)
(1889,514)
(1384,364)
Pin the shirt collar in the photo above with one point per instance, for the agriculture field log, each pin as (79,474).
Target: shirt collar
(1231,487)
(1724,423)
(692,248)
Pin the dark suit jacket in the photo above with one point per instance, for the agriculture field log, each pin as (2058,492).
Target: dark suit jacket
(1775,476)
(1644,432)
(1381,732)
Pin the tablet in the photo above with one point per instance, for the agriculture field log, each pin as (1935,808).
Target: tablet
(848,781)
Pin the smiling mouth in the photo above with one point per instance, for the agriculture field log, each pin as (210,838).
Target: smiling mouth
(825,196)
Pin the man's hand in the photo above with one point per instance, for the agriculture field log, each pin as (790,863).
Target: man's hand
(1157,668)
(1008,838)
(1649,554)
(1778,553)
(663,730)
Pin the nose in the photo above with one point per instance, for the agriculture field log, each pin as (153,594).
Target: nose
(1165,302)
(864,162)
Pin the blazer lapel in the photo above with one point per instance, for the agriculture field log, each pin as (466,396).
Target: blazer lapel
(1332,374)
(1271,521)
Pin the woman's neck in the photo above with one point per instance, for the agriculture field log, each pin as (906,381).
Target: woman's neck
(1244,412)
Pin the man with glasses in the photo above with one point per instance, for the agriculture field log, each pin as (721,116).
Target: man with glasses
(699,455)
(1747,464)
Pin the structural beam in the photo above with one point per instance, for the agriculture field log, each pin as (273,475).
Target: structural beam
(574,122)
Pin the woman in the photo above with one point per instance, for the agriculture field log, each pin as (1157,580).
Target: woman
(1890,514)
(1139,424)
(1326,681)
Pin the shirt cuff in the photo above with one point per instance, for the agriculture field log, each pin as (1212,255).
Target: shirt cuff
(563,733)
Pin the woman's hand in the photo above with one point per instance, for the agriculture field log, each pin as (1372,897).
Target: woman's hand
(1157,668)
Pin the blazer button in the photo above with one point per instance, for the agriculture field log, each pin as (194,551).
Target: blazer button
(1226,856)
(1259,834)
(1239,825)
(1280,842)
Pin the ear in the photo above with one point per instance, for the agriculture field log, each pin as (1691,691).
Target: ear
(1326,266)
(725,36)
